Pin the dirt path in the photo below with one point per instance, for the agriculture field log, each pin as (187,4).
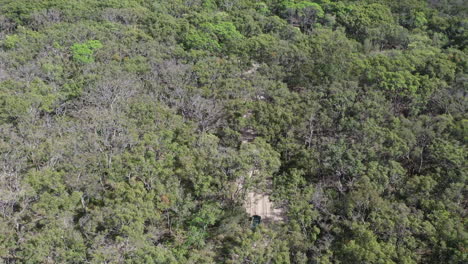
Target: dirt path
(261,205)
(259,202)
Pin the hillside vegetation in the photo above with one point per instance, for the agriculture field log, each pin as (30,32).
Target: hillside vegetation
(122,125)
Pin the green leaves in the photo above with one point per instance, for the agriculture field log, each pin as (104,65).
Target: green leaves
(213,37)
(127,127)
(304,13)
(84,52)
(16,99)
(359,18)
(197,39)
(363,247)
(11,41)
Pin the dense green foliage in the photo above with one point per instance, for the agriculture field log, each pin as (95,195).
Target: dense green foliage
(122,121)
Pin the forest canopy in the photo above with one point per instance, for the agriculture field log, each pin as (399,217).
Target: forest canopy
(125,125)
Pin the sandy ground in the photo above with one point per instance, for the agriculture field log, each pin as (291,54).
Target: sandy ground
(259,203)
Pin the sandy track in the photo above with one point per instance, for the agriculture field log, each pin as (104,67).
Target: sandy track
(259,203)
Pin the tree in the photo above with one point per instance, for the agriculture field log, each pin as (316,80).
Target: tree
(84,52)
